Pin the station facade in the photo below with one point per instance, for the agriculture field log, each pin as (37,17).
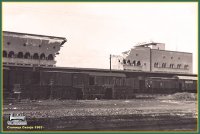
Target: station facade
(30,49)
(29,72)
(152,57)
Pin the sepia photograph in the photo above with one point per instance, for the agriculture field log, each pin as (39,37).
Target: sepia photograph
(100,67)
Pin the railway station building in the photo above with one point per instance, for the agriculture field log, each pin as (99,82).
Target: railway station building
(152,57)
(30,49)
(29,71)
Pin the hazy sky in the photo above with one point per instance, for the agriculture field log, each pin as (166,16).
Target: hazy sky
(96,30)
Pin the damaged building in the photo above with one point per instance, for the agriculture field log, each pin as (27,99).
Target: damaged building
(30,49)
(152,57)
(29,71)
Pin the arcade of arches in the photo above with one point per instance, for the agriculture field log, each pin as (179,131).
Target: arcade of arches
(27,55)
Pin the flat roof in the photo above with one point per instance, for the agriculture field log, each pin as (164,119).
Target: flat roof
(106,74)
(76,69)
(171,51)
(148,44)
(37,35)
(186,77)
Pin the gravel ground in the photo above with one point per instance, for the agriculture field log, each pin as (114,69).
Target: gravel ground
(158,107)
(57,109)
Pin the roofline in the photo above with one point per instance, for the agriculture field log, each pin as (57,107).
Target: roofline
(148,44)
(107,70)
(171,51)
(63,38)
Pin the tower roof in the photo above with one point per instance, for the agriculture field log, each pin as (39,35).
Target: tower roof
(146,44)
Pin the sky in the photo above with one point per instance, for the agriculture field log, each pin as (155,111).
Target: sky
(96,30)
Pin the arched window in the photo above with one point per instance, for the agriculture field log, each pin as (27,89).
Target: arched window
(179,66)
(11,54)
(124,61)
(129,62)
(50,57)
(164,65)
(5,54)
(42,56)
(27,55)
(35,56)
(134,62)
(171,66)
(156,64)
(186,66)
(20,55)
(138,63)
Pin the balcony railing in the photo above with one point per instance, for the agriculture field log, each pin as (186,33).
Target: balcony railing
(174,70)
(21,61)
(132,67)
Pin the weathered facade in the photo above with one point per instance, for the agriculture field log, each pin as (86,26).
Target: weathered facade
(29,72)
(30,49)
(154,58)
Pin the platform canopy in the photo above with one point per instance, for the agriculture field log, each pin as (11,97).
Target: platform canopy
(106,74)
(186,77)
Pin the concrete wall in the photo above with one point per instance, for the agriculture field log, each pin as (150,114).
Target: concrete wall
(141,54)
(30,44)
(116,62)
(160,46)
(148,57)
(171,57)
(28,62)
